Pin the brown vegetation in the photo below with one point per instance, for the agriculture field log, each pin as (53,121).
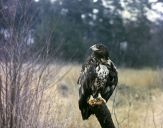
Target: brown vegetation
(52,99)
(136,102)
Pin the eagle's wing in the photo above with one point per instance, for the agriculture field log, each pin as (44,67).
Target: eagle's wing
(86,79)
(111,82)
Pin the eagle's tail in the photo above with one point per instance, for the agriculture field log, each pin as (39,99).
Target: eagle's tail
(86,111)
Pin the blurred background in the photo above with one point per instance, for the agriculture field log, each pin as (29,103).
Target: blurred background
(132,29)
(44,42)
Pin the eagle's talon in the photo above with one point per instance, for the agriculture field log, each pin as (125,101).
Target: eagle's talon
(100,99)
(96,101)
(91,101)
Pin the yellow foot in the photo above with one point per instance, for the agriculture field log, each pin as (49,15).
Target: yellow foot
(99,98)
(91,101)
(96,101)
(100,101)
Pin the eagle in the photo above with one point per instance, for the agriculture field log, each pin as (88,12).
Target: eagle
(97,80)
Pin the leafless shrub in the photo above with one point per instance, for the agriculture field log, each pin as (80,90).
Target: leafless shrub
(24,75)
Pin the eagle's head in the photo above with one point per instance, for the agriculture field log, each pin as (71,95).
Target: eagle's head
(100,51)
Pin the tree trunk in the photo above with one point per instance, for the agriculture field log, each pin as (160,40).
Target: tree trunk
(103,115)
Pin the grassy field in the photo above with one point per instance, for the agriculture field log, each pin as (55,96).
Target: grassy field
(136,103)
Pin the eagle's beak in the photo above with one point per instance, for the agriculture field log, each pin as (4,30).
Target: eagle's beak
(94,48)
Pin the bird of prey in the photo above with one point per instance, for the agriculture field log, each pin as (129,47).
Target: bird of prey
(97,80)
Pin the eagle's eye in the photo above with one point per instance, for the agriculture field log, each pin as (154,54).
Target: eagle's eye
(99,46)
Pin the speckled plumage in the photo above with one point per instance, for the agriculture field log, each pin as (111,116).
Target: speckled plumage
(98,75)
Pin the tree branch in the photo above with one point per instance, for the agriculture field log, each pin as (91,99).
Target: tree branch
(103,115)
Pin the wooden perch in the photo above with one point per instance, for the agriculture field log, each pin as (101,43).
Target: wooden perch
(103,115)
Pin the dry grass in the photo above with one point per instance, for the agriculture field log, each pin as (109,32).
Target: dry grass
(137,102)
(140,78)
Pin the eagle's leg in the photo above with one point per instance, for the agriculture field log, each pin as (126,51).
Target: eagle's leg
(91,101)
(100,100)
(96,101)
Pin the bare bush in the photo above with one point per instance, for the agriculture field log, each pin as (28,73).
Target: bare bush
(24,72)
